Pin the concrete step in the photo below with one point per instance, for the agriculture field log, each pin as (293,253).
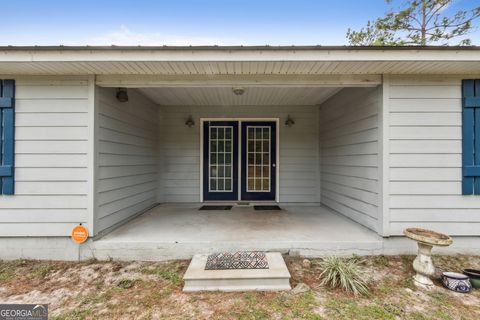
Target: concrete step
(275,278)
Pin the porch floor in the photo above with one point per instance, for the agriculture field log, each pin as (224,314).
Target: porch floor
(180,231)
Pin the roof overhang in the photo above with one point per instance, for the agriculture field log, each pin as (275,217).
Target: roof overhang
(238,60)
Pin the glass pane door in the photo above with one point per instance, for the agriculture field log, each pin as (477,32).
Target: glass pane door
(220,160)
(258,160)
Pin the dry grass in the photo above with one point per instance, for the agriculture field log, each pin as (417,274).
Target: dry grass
(145,290)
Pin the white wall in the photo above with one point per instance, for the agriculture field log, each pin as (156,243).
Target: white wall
(349,154)
(426,156)
(127,157)
(52,158)
(180,150)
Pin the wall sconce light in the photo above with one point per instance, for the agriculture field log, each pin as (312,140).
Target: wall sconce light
(122,94)
(289,122)
(190,123)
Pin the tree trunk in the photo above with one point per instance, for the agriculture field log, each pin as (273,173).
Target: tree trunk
(424,23)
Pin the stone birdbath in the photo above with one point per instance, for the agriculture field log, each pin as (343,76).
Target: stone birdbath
(423,264)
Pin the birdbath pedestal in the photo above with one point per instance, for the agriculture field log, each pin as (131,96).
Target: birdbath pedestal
(423,264)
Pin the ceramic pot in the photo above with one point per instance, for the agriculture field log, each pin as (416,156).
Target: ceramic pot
(474,276)
(456,282)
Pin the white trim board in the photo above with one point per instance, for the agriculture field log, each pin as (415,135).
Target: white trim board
(148,81)
(93,154)
(384,156)
(191,54)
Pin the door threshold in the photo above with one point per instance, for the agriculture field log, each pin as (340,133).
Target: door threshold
(241,203)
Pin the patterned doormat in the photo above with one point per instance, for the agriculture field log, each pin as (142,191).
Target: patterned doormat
(265,207)
(215,208)
(237,260)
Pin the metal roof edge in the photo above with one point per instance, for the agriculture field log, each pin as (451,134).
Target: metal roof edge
(229,48)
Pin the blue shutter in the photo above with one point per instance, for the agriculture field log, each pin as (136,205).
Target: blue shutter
(471,136)
(7,141)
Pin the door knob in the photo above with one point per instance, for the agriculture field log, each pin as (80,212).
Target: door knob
(273,165)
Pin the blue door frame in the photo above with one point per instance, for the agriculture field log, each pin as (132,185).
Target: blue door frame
(221,161)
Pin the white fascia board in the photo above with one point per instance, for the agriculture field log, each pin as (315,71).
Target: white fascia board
(237,55)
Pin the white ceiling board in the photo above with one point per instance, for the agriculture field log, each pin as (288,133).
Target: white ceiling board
(224,96)
(188,68)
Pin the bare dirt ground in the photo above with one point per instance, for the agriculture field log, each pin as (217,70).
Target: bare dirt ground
(146,290)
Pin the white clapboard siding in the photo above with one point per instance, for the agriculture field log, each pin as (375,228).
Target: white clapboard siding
(125,171)
(51,151)
(424,105)
(41,133)
(127,157)
(426,133)
(426,146)
(426,157)
(425,187)
(51,92)
(47,147)
(180,150)
(425,174)
(349,154)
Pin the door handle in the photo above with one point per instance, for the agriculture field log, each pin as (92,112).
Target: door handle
(273,165)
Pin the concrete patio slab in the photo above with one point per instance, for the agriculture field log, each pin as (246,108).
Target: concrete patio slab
(181,231)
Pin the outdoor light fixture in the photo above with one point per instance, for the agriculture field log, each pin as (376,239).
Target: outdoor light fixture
(190,123)
(122,94)
(238,90)
(289,122)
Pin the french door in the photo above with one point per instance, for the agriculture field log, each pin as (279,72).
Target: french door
(220,160)
(258,160)
(239,160)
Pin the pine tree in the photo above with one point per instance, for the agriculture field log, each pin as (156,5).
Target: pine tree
(417,22)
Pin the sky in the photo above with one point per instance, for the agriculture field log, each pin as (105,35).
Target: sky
(189,22)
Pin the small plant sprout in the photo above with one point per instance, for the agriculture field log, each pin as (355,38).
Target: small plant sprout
(344,274)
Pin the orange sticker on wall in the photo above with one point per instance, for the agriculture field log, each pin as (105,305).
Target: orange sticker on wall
(79,234)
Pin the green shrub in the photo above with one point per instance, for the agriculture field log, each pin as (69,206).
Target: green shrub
(344,274)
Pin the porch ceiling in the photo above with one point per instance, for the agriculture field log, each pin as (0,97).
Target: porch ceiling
(188,68)
(224,96)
